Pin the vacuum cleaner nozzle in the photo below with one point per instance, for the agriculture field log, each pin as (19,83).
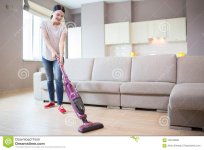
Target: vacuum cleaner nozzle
(90,127)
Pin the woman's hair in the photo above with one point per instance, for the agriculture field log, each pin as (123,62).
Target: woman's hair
(58,7)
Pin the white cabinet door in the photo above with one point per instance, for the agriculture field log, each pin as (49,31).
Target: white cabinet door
(157,29)
(74,42)
(176,30)
(139,32)
(142,31)
(117,33)
(124,32)
(111,33)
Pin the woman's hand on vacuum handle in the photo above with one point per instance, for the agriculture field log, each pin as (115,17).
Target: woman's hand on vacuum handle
(54,54)
(61,59)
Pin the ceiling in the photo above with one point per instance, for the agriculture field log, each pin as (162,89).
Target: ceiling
(72,4)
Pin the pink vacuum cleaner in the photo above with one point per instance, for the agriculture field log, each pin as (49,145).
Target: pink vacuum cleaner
(78,105)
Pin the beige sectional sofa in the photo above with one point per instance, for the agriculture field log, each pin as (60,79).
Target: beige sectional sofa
(186,103)
(152,79)
(150,82)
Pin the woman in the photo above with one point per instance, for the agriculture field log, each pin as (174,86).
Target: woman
(54,34)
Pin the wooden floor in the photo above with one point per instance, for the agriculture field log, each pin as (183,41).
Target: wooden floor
(21,114)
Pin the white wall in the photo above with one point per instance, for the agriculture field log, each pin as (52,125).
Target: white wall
(93,33)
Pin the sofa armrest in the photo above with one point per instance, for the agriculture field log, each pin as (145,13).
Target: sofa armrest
(37,78)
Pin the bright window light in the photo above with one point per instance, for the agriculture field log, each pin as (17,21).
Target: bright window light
(32,37)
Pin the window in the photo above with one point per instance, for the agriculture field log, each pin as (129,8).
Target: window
(32,37)
(33,42)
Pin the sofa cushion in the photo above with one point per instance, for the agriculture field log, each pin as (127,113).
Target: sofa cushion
(111,69)
(79,69)
(190,69)
(155,68)
(147,88)
(187,96)
(99,86)
(43,84)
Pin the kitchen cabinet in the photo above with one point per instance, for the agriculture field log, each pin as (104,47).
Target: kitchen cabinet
(139,32)
(173,30)
(117,33)
(177,29)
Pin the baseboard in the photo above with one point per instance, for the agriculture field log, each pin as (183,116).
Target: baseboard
(113,107)
(16,91)
(128,108)
(161,111)
(180,128)
(187,128)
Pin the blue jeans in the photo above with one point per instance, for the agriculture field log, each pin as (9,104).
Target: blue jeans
(53,72)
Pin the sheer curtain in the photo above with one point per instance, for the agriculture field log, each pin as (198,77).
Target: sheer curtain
(33,43)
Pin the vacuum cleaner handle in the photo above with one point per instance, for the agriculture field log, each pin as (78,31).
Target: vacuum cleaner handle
(69,88)
(63,71)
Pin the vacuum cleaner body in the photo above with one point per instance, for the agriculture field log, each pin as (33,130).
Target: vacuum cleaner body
(78,105)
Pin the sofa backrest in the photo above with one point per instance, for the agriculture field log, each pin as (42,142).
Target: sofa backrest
(79,69)
(154,68)
(190,69)
(111,69)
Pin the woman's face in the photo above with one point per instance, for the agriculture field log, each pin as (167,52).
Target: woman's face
(58,15)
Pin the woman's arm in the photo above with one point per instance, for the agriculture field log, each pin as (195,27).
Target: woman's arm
(61,44)
(48,44)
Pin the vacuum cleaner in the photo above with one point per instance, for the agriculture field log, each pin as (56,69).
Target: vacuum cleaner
(77,104)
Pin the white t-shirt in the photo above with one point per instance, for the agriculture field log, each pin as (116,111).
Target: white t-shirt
(54,34)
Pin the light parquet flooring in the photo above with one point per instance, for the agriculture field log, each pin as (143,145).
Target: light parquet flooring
(21,114)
